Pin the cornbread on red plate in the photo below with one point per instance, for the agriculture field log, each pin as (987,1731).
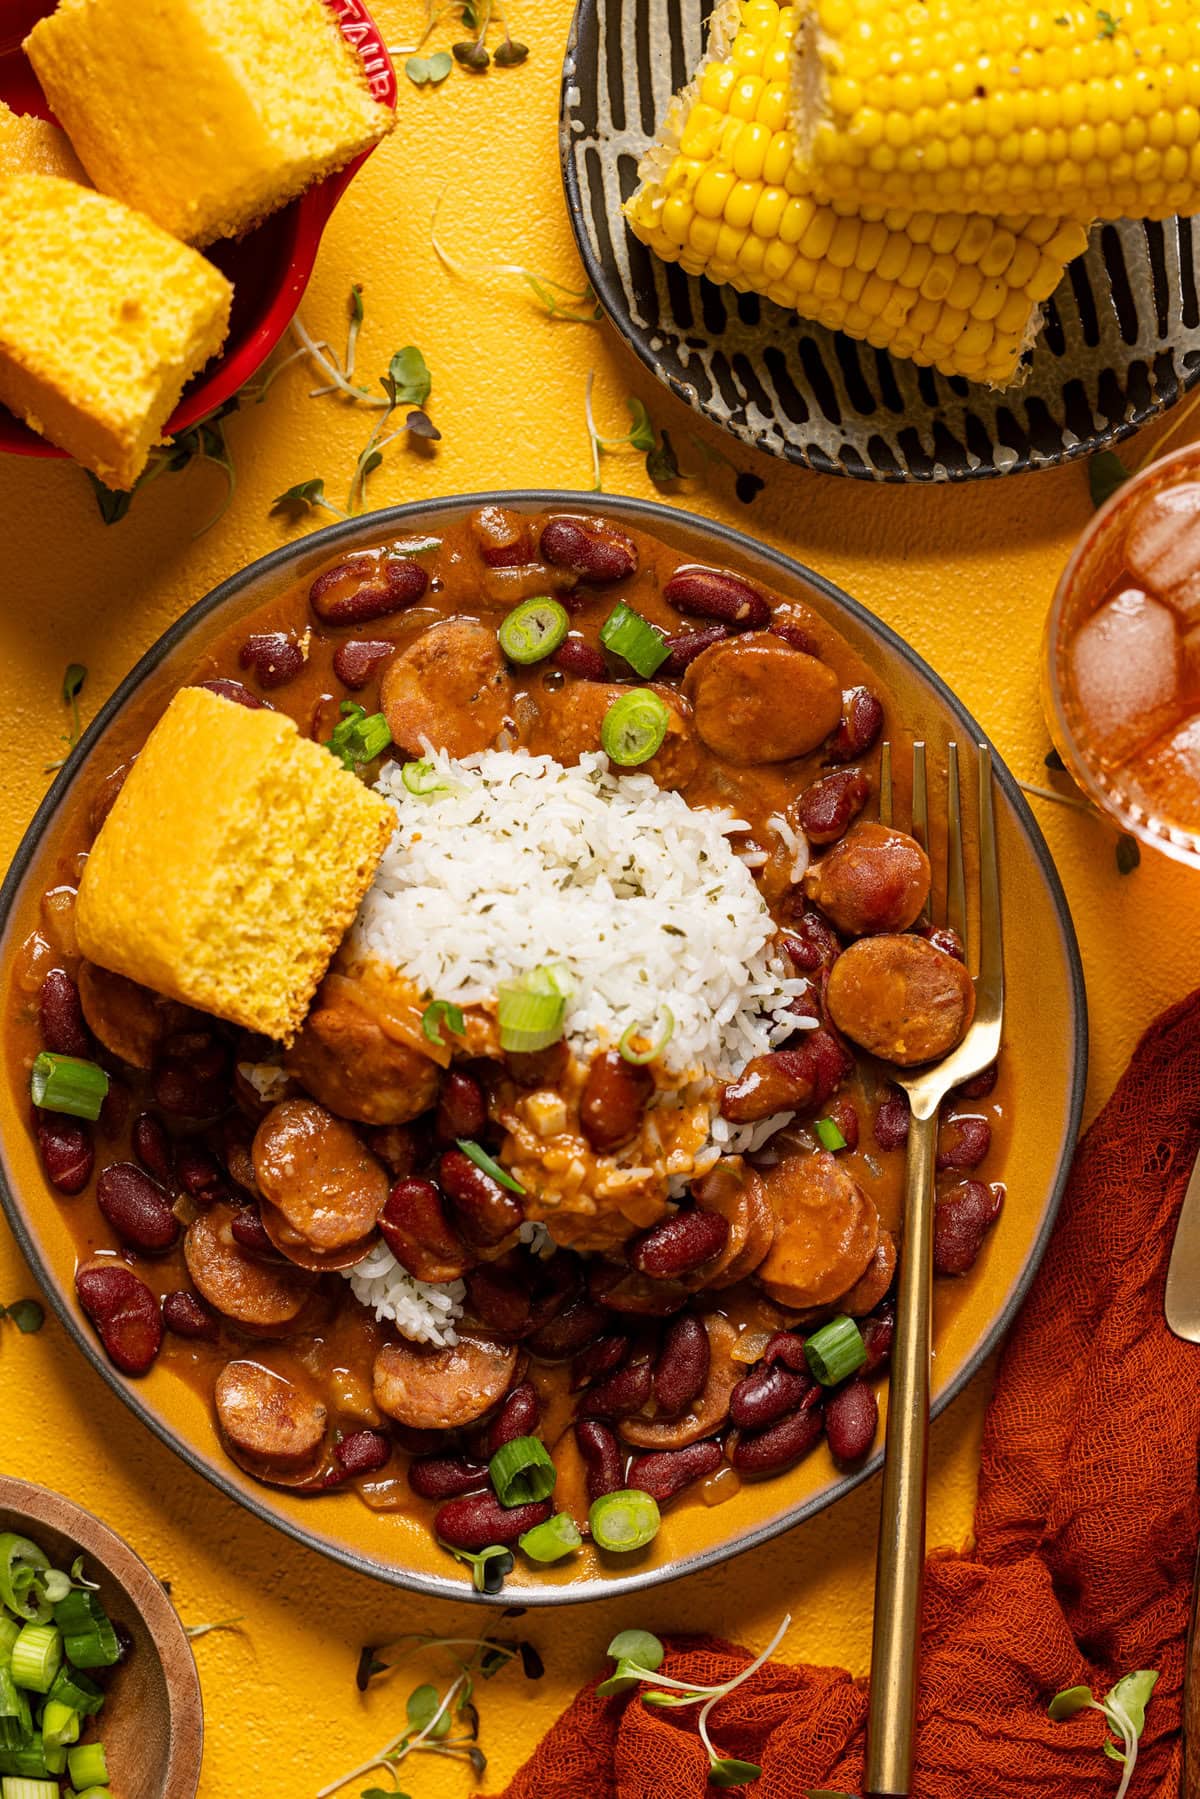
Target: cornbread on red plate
(206,114)
(30,146)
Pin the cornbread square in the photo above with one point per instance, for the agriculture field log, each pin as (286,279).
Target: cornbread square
(30,146)
(206,114)
(231,865)
(103,317)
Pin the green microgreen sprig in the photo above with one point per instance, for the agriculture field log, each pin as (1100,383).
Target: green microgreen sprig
(655,447)
(74,676)
(1123,1709)
(639,1655)
(28,1315)
(472,53)
(571,305)
(1126,851)
(205,441)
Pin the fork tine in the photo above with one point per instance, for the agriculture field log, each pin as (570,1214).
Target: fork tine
(885,783)
(990,982)
(956,881)
(920,816)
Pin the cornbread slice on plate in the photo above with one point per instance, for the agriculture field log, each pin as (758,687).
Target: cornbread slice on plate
(206,114)
(103,317)
(30,146)
(231,865)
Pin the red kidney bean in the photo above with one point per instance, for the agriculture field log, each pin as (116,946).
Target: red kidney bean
(415,1228)
(786,1080)
(538,1067)
(602,1457)
(598,1359)
(198,1171)
(685,646)
(275,657)
(114,1109)
(518,1417)
(575,657)
(630,1293)
(877,1333)
(152,1147)
(715,593)
(373,590)
(665,1472)
(964,1142)
(625,1391)
(770,1393)
(478,1520)
(191,1076)
(892,1119)
(811,942)
(498,1299)
(184,1314)
(862,721)
(446,1476)
(362,1452)
(124,1312)
(137,1209)
(61,1016)
(503,537)
(247,1228)
(682,1366)
(355,661)
(594,554)
(235,691)
(796,635)
(462,1109)
(943,938)
(65,1147)
(780,1445)
(485,1211)
(615,1095)
(827,808)
(960,1223)
(844,1114)
(563,1336)
(851,1420)
(553,1282)
(786,1347)
(979,1085)
(679,1244)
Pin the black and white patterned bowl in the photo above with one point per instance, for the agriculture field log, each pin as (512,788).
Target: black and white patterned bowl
(1121,342)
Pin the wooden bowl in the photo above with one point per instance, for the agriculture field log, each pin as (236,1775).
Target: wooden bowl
(152,1727)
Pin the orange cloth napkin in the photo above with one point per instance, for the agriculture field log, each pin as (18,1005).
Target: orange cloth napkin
(1086,1529)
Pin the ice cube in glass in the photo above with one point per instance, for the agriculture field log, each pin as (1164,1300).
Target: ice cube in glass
(1125,672)
(1162,547)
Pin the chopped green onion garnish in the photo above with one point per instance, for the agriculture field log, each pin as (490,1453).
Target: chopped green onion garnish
(666,1024)
(10,1630)
(522,1472)
(95,1793)
(16,1721)
(423,780)
(19,1787)
(627,1519)
(482,1160)
(77,1691)
(530,1012)
(60,1725)
(22,1583)
(628,635)
(88,1636)
(835,1351)
(831,1137)
(68,1084)
(550,1541)
(36,1657)
(432,1016)
(533,630)
(87,1765)
(634,727)
(488,1568)
(356,738)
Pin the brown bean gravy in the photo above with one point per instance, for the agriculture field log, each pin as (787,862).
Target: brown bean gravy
(815,1237)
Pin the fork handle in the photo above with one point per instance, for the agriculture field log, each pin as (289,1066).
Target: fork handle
(898,1568)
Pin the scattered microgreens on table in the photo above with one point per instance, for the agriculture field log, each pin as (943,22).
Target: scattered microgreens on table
(437,1722)
(639,1656)
(74,677)
(195,1631)
(573,305)
(205,441)
(471,53)
(27,1314)
(660,458)
(1123,1710)
(1126,850)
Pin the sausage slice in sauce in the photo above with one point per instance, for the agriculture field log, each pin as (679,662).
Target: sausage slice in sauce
(451,686)
(567,726)
(443,1389)
(902,998)
(325,1183)
(271,1425)
(129,1020)
(826,1231)
(875,879)
(707,1413)
(260,1296)
(733,1190)
(756,699)
(348,1061)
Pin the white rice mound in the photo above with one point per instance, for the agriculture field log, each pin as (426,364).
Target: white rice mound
(516,862)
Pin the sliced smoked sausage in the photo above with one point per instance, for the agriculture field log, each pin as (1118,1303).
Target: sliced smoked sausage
(756,699)
(126,1018)
(270,1424)
(451,686)
(826,1231)
(258,1295)
(875,879)
(349,1061)
(902,998)
(443,1389)
(733,1190)
(568,723)
(708,1412)
(310,1165)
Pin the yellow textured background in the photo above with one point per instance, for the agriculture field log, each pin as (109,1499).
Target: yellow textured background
(965,574)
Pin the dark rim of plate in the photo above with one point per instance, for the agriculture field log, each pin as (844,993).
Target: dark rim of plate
(1120,344)
(651,516)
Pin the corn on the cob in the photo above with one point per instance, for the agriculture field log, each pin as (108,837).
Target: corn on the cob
(722,195)
(959,106)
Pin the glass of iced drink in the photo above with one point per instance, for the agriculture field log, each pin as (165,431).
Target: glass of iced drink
(1121,662)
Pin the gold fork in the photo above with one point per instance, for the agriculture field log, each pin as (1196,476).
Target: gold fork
(892,1711)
